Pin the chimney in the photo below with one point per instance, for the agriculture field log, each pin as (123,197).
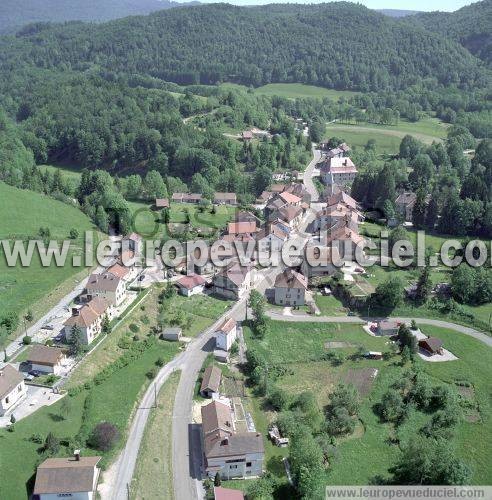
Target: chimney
(225,441)
(75,311)
(76,455)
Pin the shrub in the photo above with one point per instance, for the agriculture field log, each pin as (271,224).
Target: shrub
(151,373)
(104,436)
(74,233)
(160,362)
(36,438)
(134,328)
(26,340)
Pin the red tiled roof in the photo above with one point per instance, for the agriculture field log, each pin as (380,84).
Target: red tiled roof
(191,281)
(241,227)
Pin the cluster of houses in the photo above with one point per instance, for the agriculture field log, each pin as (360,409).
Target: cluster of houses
(336,168)
(104,293)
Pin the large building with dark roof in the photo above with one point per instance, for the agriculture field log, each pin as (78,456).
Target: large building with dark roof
(233,454)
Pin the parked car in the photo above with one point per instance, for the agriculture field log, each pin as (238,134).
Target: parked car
(141,277)
(48,327)
(35,373)
(28,377)
(59,337)
(351,313)
(326,291)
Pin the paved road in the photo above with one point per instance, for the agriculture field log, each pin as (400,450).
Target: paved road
(308,175)
(482,337)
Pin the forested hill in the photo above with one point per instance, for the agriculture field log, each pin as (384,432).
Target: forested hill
(16,13)
(340,45)
(471,26)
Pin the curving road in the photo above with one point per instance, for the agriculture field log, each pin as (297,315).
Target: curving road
(308,175)
(476,334)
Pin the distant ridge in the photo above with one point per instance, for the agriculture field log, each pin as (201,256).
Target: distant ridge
(16,13)
(397,12)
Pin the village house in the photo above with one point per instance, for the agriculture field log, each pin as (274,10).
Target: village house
(161,203)
(226,334)
(387,327)
(246,216)
(290,288)
(230,453)
(12,389)
(242,228)
(290,199)
(247,135)
(346,239)
(278,188)
(132,242)
(233,281)
(89,319)
(320,260)
(339,171)
(108,286)
(173,334)
(272,238)
(210,385)
(299,190)
(331,215)
(339,152)
(122,272)
(191,285)
(404,204)
(74,477)
(290,214)
(186,198)
(225,199)
(431,345)
(263,198)
(341,197)
(46,359)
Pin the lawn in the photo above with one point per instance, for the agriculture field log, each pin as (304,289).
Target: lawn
(330,305)
(71,172)
(367,453)
(297,90)
(148,222)
(36,287)
(153,476)
(388,137)
(202,311)
(142,313)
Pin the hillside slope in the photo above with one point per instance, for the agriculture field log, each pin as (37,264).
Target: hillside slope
(471,26)
(336,45)
(17,13)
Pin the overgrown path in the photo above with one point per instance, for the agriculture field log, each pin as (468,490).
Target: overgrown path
(482,337)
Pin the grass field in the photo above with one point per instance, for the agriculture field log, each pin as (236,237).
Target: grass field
(200,310)
(148,223)
(330,305)
(294,90)
(153,476)
(23,213)
(367,453)
(68,172)
(388,137)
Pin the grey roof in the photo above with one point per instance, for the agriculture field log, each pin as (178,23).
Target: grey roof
(211,379)
(10,378)
(105,281)
(237,444)
(66,475)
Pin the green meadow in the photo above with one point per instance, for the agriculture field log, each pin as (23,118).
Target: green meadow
(36,287)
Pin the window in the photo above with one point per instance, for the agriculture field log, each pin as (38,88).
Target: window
(248,464)
(6,401)
(19,388)
(232,466)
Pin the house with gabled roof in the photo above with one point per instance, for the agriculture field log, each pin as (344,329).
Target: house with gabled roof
(331,215)
(108,286)
(290,199)
(226,334)
(12,389)
(73,477)
(161,203)
(226,451)
(345,239)
(210,385)
(46,359)
(191,285)
(272,237)
(225,199)
(290,288)
(341,197)
(187,198)
(290,214)
(88,319)
(234,280)
(338,170)
(320,260)
(404,204)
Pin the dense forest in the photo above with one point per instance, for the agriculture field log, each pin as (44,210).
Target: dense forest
(16,13)
(337,45)
(470,26)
